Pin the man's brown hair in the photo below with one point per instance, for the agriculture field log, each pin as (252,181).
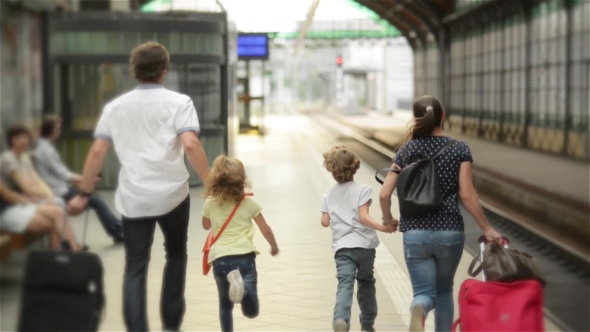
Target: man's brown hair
(148,61)
(48,125)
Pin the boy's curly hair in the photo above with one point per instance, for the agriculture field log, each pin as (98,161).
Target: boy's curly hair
(227,180)
(342,162)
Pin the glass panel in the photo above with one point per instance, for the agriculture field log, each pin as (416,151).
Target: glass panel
(71,42)
(130,40)
(176,42)
(164,39)
(57,43)
(145,37)
(191,43)
(113,42)
(214,146)
(116,43)
(56,88)
(99,43)
(204,87)
(202,84)
(93,85)
(84,43)
(217,45)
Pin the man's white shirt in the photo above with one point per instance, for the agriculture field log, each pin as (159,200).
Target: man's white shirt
(144,125)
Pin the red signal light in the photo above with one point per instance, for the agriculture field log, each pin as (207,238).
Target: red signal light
(339,60)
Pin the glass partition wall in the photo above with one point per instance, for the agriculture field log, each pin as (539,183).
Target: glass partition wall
(87,66)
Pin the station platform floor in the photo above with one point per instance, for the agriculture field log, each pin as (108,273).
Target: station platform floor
(297,288)
(534,169)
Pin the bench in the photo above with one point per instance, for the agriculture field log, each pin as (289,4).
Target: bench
(9,242)
(5,247)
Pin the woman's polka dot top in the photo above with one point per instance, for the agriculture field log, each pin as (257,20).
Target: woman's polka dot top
(447,216)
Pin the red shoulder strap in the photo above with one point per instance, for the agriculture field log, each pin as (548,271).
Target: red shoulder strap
(231,216)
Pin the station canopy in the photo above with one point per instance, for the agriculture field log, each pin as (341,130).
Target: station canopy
(333,19)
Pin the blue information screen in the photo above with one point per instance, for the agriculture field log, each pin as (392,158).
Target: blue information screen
(253,46)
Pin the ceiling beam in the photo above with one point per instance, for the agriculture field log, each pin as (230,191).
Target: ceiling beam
(398,21)
(306,25)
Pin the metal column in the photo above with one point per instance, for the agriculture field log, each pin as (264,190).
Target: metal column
(568,84)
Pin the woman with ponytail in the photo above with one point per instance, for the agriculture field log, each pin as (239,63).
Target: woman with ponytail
(433,240)
(233,255)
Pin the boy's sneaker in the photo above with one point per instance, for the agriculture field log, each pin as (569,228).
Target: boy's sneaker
(236,286)
(340,325)
(417,319)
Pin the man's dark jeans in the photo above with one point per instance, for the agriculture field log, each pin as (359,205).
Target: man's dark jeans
(351,264)
(247,266)
(139,235)
(111,224)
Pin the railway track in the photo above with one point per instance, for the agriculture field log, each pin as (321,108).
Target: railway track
(567,294)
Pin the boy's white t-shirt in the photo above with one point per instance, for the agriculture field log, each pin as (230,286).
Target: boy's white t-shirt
(144,125)
(341,202)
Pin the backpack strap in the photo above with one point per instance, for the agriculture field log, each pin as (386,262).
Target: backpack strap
(388,169)
(445,148)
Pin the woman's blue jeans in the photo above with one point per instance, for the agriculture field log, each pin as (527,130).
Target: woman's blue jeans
(432,258)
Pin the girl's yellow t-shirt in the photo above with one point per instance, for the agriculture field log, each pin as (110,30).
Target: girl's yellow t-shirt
(237,237)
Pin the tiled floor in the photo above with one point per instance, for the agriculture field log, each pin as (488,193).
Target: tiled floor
(296,288)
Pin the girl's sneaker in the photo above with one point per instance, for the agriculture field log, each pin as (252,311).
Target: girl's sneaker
(236,286)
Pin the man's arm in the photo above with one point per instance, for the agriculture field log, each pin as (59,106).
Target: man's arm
(94,163)
(195,154)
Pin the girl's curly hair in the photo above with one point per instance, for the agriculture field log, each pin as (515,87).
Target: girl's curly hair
(227,180)
(342,162)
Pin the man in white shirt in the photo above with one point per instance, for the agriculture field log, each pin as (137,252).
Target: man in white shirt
(151,128)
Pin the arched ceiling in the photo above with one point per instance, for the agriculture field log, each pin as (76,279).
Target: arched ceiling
(416,19)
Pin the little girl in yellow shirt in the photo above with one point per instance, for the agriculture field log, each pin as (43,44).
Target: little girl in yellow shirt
(233,255)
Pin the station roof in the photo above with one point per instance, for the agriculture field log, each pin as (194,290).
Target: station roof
(415,19)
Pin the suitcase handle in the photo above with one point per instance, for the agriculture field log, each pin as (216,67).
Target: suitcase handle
(456,323)
(482,240)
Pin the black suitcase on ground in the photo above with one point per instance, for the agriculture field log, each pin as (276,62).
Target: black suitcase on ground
(62,291)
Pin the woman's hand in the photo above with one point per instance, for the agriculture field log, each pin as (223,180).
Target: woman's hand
(387,219)
(395,224)
(492,235)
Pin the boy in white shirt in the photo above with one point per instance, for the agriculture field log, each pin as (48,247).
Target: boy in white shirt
(345,208)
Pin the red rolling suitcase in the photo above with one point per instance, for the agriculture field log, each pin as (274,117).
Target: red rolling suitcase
(500,306)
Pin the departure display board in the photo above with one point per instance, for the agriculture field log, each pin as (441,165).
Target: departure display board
(253,46)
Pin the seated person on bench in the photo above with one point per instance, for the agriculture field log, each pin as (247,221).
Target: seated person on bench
(60,180)
(18,215)
(18,173)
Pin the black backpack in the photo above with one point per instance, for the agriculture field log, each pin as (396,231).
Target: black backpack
(418,185)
